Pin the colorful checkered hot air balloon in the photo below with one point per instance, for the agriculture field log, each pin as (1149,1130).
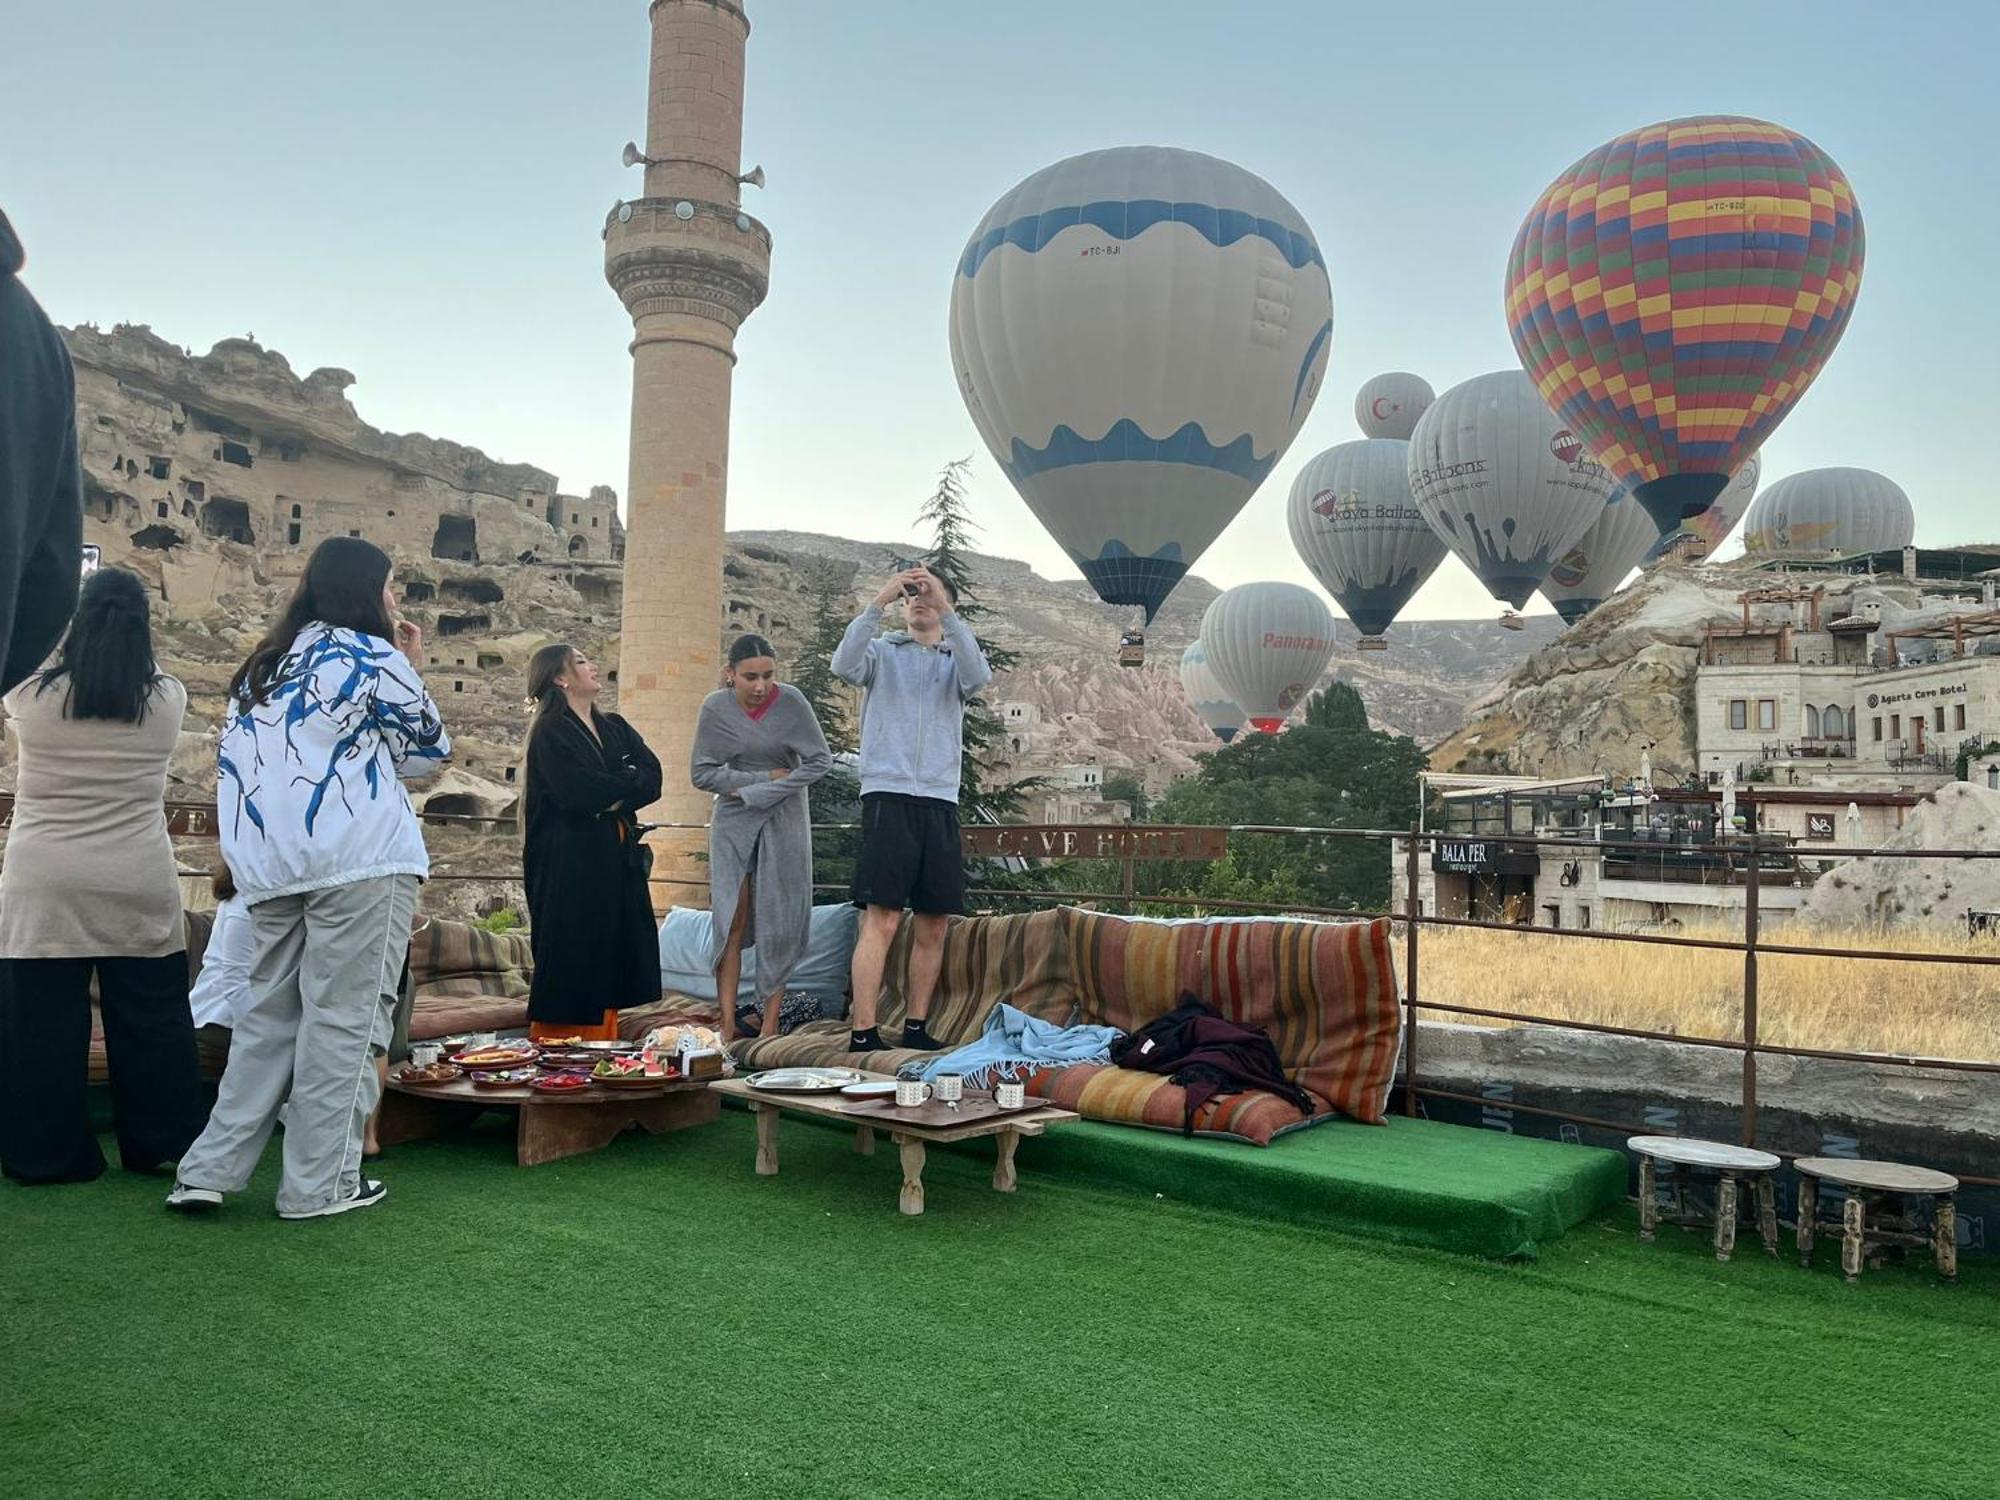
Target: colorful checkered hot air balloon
(1675,292)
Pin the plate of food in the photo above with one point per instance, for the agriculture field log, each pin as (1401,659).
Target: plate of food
(560,1083)
(582,1057)
(632,1072)
(498,1056)
(803,1080)
(427,1077)
(504,1078)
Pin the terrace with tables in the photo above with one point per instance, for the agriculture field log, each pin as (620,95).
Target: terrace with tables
(1373,1291)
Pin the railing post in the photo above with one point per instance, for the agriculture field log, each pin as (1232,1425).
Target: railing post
(1410,913)
(1750,926)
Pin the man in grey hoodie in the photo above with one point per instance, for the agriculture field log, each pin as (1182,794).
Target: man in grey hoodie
(912,723)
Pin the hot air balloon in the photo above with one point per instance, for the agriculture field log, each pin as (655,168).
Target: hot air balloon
(1675,292)
(1590,572)
(1216,708)
(1267,644)
(1700,536)
(1388,406)
(1829,513)
(1508,487)
(1138,334)
(1354,523)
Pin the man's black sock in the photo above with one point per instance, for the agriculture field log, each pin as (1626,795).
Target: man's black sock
(919,1039)
(864,1041)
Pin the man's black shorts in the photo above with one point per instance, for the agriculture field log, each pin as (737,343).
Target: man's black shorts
(910,855)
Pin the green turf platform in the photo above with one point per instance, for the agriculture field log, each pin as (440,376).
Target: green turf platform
(1416,1182)
(1412,1182)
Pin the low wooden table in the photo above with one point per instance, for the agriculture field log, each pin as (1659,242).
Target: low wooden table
(1877,1211)
(1728,1163)
(551,1126)
(910,1129)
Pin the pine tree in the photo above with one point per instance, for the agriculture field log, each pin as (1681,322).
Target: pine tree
(832,605)
(950,558)
(1338,705)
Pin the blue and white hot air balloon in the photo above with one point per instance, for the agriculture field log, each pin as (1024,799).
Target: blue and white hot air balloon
(1215,707)
(1138,334)
(1356,526)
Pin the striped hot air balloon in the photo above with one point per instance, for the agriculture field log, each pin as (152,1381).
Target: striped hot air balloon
(1676,291)
(1138,334)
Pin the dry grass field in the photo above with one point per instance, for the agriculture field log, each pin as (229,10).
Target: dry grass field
(1938,1010)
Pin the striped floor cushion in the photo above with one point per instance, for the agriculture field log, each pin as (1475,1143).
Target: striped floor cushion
(1124,1096)
(457,960)
(1021,959)
(1324,991)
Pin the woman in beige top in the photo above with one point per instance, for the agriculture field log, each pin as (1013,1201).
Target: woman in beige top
(89,886)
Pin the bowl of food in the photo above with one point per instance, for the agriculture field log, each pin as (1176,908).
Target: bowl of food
(427,1076)
(560,1083)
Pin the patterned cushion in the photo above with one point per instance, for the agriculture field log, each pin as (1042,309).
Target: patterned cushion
(457,960)
(1124,1096)
(1022,959)
(1325,991)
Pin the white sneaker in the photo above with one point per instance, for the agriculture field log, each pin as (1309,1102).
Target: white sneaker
(193,1200)
(370,1192)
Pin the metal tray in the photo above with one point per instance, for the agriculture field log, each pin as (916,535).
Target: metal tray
(803,1080)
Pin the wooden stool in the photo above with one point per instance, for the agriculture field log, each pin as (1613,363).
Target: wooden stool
(1878,1211)
(1728,1163)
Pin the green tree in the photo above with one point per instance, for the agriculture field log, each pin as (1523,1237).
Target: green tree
(1123,786)
(950,557)
(832,605)
(1337,706)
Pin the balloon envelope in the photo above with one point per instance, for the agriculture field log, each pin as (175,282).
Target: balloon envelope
(1354,523)
(1138,334)
(1829,512)
(1508,487)
(1711,528)
(1675,292)
(1590,572)
(1388,405)
(1218,711)
(1267,644)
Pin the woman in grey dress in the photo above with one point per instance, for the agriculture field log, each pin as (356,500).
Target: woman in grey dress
(758,747)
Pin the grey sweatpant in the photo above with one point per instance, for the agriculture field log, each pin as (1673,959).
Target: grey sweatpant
(322,1002)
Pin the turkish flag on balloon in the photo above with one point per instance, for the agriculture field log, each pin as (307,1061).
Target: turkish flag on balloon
(1675,292)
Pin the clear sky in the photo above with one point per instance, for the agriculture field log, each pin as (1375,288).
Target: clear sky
(413,190)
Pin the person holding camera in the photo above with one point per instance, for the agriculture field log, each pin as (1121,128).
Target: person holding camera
(590,915)
(916,681)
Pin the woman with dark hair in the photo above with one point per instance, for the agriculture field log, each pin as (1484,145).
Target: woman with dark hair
(89,886)
(590,917)
(326,719)
(757,747)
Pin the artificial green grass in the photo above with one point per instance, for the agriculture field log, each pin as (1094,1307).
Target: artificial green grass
(1415,1182)
(656,1319)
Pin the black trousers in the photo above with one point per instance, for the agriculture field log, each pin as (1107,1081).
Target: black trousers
(156,1095)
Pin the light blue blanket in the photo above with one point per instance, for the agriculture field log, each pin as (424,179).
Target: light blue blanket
(1014,1043)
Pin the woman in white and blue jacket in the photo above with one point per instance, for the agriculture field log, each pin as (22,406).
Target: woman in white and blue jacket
(325,720)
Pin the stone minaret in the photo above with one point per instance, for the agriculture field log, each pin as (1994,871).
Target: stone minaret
(690,266)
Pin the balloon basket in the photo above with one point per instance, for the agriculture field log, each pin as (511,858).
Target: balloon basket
(1511,621)
(1132,650)
(1371,643)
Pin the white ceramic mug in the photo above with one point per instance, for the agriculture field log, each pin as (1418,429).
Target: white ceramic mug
(425,1054)
(911,1093)
(1010,1095)
(950,1087)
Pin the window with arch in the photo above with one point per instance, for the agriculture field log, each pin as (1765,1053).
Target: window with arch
(1833,723)
(1812,722)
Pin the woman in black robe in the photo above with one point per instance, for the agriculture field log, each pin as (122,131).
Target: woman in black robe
(590,916)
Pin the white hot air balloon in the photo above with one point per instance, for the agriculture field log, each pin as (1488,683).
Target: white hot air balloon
(1138,334)
(1700,536)
(1356,527)
(1590,572)
(1218,711)
(1267,644)
(1388,405)
(1504,482)
(1829,513)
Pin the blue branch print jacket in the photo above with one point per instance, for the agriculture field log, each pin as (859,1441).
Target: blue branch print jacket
(309,783)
